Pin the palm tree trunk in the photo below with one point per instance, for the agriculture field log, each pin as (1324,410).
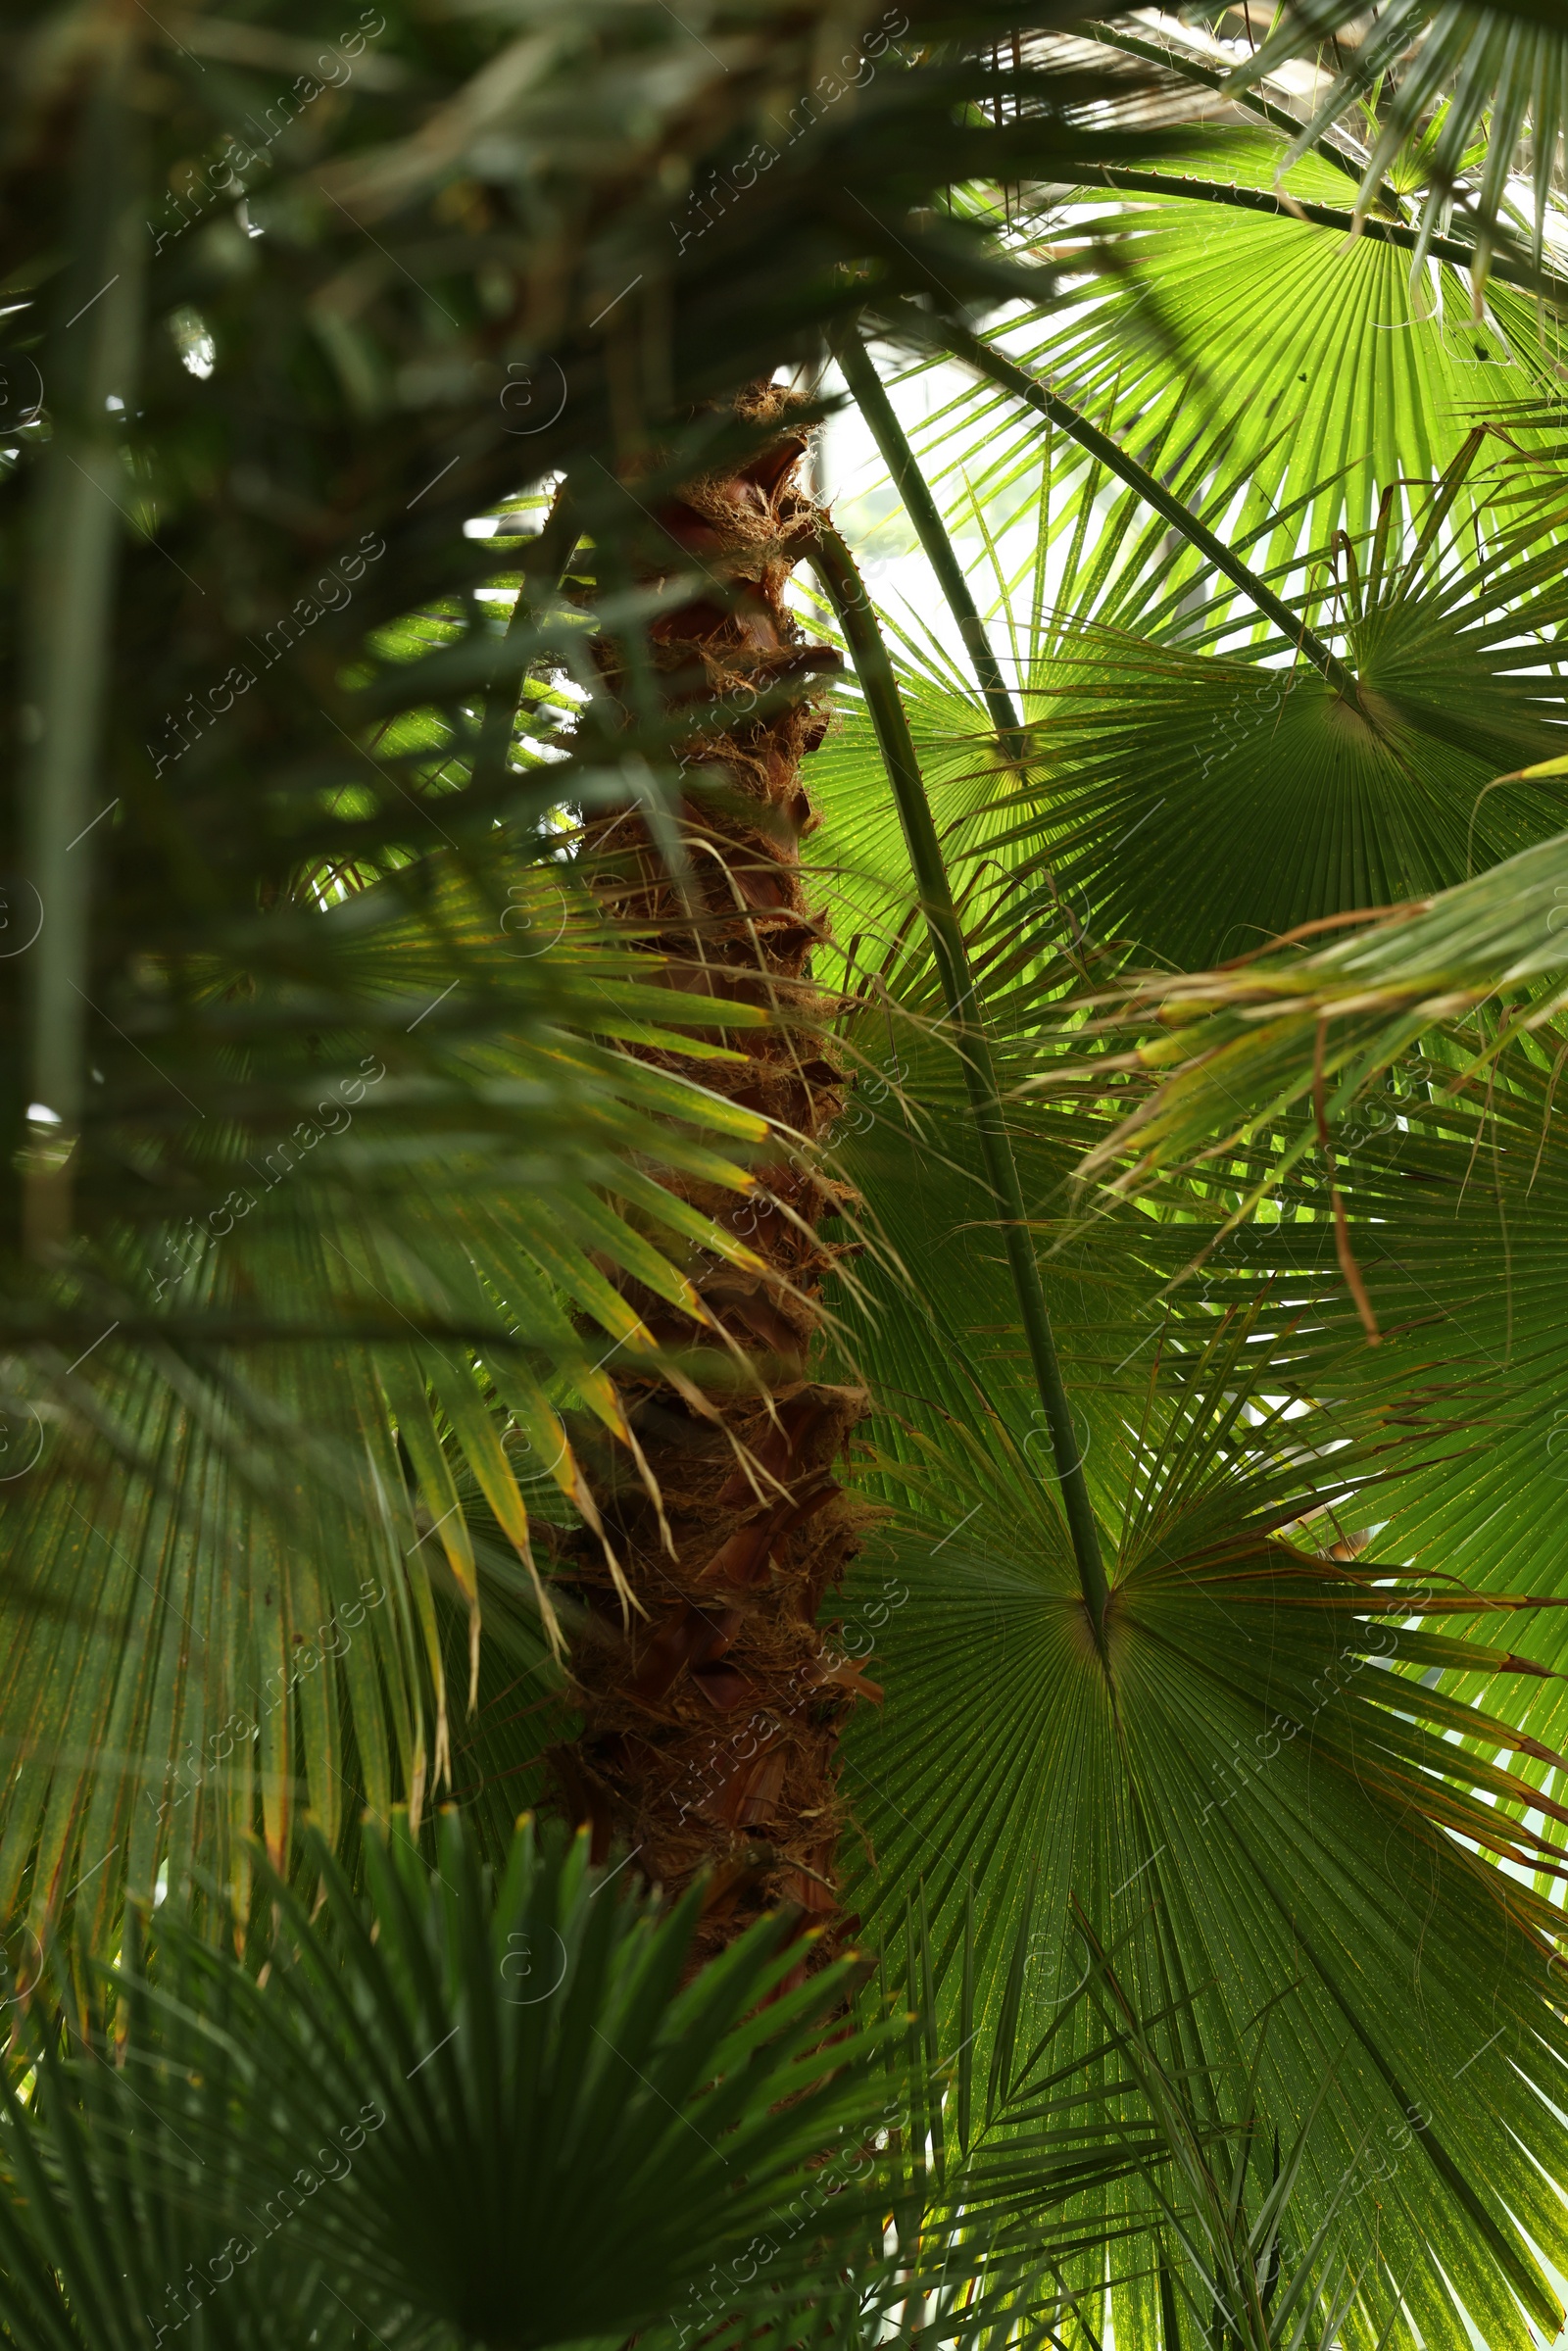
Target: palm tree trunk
(711,1720)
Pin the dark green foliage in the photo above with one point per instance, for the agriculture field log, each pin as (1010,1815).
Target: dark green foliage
(465,2106)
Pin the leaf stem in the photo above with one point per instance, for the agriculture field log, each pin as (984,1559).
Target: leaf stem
(1223,80)
(79,526)
(860,373)
(846,592)
(1321,216)
(877,409)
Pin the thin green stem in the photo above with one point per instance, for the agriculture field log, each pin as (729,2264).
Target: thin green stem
(1321,216)
(877,409)
(860,373)
(80,531)
(835,568)
(1222,81)
(987,361)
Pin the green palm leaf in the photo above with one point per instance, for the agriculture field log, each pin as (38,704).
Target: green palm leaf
(465,2107)
(1462,73)
(1227,1780)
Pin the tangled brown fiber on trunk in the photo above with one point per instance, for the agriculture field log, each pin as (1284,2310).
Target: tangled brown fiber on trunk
(711,1721)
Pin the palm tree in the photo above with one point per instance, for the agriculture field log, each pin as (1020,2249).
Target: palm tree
(726,1550)
(425,1179)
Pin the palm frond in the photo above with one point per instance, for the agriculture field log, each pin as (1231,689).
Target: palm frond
(534,2132)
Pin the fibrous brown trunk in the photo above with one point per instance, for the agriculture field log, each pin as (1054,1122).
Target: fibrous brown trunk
(711,1721)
